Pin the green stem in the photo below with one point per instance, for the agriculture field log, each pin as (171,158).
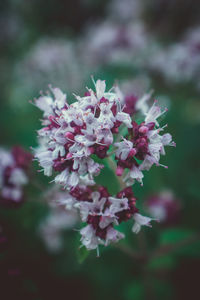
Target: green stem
(167,249)
(162,251)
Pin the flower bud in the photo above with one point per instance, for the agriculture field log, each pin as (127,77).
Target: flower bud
(69,135)
(143,129)
(119,171)
(132,152)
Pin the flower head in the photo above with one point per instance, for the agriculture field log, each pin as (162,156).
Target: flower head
(72,133)
(76,137)
(142,147)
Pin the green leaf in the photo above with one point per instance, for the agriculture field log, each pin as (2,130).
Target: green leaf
(163,262)
(174,235)
(135,291)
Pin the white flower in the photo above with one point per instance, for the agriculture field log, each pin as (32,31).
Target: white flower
(62,177)
(65,199)
(87,180)
(45,103)
(46,160)
(123,149)
(12,193)
(60,98)
(18,177)
(105,134)
(158,212)
(88,238)
(6,159)
(94,207)
(100,88)
(124,118)
(141,221)
(59,150)
(117,205)
(153,114)
(147,163)
(106,116)
(73,179)
(113,236)
(142,105)
(135,173)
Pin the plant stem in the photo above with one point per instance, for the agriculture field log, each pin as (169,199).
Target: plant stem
(162,251)
(167,249)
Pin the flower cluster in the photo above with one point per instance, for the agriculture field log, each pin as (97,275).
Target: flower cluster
(74,133)
(142,147)
(52,227)
(13,174)
(100,211)
(51,60)
(113,43)
(179,62)
(76,137)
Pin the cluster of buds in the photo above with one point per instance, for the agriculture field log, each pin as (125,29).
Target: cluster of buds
(74,136)
(13,174)
(142,147)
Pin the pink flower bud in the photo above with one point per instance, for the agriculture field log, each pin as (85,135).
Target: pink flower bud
(143,129)
(69,155)
(115,130)
(132,152)
(119,171)
(69,135)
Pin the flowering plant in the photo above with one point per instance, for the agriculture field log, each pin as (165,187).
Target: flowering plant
(77,139)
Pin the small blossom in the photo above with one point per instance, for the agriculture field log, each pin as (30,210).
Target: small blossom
(123,149)
(153,114)
(141,221)
(88,238)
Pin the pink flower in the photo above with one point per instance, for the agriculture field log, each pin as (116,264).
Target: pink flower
(73,133)
(75,138)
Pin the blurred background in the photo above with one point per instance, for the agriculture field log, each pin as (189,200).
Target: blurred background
(141,45)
